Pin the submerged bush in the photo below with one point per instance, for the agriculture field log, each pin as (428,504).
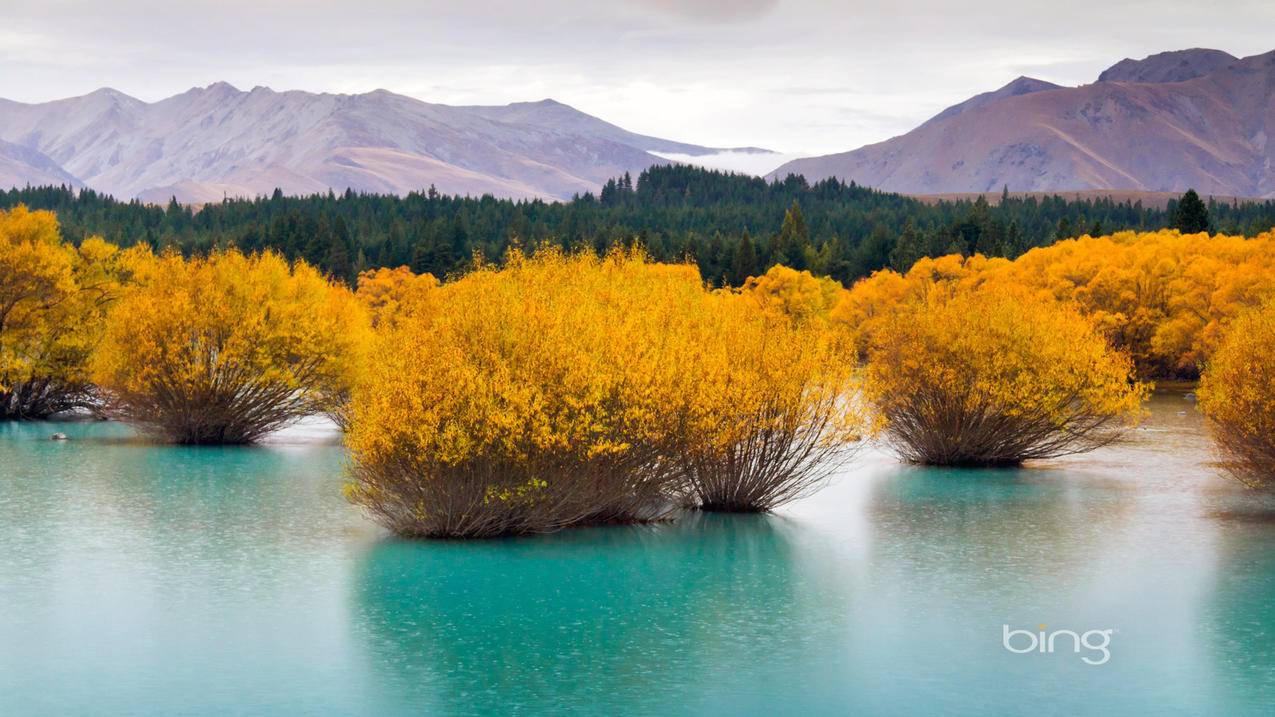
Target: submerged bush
(228,348)
(1237,394)
(53,299)
(566,389)
(774,407)
(529,398)
(996,378)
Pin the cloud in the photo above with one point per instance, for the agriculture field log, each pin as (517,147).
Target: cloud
(755,163)
(711,11)
(797,75)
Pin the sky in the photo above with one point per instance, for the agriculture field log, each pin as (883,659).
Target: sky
(795,76)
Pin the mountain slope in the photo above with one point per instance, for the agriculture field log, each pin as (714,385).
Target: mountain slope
(1209,132)
(20,166)
(218,141)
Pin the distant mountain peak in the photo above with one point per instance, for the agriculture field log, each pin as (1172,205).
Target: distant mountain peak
(221,88)
(1173,66)
(109,97)
(1177,120)
(1021,85)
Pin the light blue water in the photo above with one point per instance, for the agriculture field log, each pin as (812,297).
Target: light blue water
(159,580)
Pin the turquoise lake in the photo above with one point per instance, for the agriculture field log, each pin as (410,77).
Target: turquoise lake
(138,579)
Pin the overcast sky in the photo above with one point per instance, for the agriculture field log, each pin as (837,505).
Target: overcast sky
(792,75)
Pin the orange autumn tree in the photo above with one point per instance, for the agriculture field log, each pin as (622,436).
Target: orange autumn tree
(860,312)
(229,347)
(1237,394)
(53,301)
(996,377)
(774,416)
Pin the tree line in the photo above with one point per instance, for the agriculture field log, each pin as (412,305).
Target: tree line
(733,226)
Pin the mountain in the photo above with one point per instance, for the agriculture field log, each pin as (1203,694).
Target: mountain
(20,166)
(1177,66)
(218,141)
(1020,86)
(1190,119)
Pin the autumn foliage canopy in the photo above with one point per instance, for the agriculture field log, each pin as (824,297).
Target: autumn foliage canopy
(1164,297)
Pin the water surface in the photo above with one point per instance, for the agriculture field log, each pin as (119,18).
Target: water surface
(164,580)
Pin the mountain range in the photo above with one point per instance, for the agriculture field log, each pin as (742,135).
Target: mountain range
(1196,118)
(218,141)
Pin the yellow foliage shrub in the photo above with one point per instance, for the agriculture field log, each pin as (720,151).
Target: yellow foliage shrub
(391,293)
(566,389)
(996,377)
(798,295)
(228,348)
(388,296)
(774,413)
(1237,394)
(1164,297)
(53,299)
(529,398)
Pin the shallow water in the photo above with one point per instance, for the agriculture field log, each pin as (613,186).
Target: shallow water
(161,580)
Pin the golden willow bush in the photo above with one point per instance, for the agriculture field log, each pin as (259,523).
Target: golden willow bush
(773,407)
(1164,297)
(530,398)
(388,296)
(568,389)
(228,348)
(774,396)
(1237,394)
(797,295)
(996,377)
(53,300)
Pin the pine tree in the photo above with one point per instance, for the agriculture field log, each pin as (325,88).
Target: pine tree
(458,247)
(339,260)
(744,263)
(1191,215)
(908,248)
(1064,230)
(422,259)
(793,239)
